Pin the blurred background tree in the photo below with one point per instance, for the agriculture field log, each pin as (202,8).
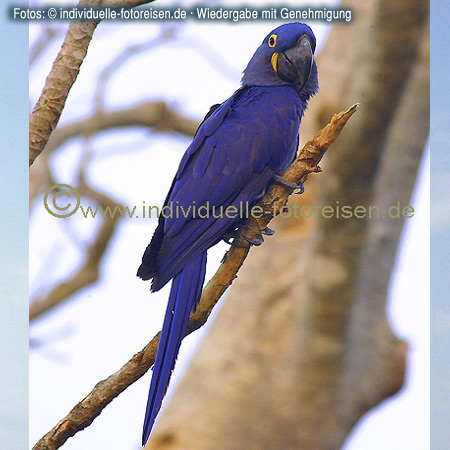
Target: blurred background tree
(302,347)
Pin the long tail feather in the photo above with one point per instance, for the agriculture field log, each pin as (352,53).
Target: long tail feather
(184,297)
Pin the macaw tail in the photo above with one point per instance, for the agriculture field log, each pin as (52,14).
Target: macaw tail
(184,297)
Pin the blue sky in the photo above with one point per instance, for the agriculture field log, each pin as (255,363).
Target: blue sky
(14,235)
(440,243)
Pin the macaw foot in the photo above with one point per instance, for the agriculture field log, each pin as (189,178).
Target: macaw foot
(259,238)
(282,182)
(232,238)
(257,241)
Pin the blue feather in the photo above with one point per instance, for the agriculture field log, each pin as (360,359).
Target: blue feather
(184,297)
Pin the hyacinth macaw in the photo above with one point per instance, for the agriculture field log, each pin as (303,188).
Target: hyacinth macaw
(239,149)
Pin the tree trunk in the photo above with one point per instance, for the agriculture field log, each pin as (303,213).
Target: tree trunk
(302,347)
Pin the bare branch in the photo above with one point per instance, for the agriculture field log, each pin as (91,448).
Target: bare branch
(167,33)
(83,414)
(89,271)
(214,59)
(66,67)
(157,115)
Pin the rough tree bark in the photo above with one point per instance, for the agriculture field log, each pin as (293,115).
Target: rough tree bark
(65,70)
(48,109)
(302,347)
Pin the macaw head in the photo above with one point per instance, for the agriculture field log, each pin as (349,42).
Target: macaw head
(285,57)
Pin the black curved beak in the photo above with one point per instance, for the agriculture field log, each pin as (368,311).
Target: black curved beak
(294,65)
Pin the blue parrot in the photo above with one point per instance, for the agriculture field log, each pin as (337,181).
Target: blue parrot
(241,147)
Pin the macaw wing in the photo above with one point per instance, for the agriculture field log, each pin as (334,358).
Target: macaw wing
(229,163)
(236,141)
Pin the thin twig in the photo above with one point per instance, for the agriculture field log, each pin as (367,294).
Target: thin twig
(167,33)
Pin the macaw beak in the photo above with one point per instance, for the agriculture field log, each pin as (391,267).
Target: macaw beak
(294,65)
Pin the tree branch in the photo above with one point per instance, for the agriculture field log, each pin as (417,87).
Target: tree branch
(66,67)
(89,271)
(157,115)
(83,414)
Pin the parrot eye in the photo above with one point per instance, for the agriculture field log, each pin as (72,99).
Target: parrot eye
(273,40)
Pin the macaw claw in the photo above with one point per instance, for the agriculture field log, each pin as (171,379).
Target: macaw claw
(268,231)
(257,241)
(282,182)
(259,238)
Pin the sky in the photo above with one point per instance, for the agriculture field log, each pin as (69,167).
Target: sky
(379,429)
(440,222)
(13,236)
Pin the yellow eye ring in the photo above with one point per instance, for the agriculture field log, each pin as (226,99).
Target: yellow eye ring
(273,40)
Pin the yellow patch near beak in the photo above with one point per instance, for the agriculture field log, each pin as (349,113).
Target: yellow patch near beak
(274,61)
